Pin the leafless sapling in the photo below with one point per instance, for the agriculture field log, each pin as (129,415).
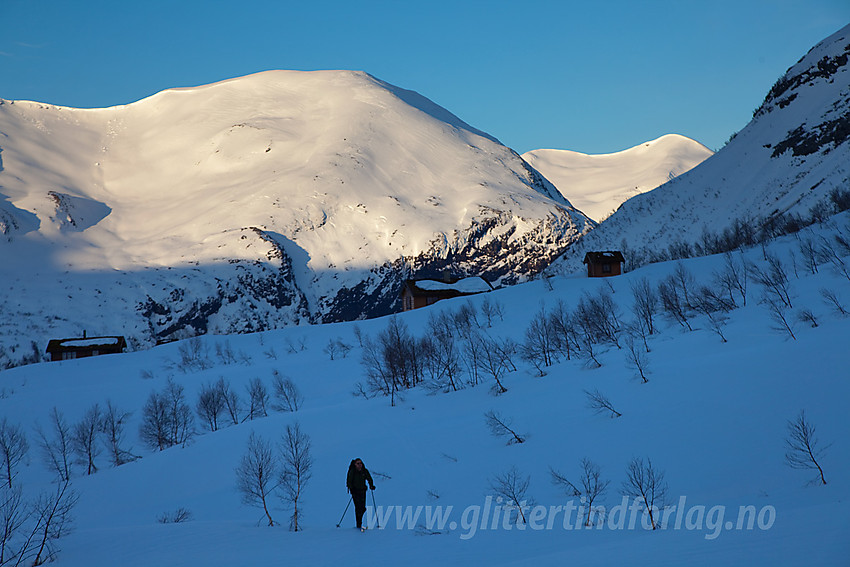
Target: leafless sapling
(733,278)
(600,403)
(833,257)
(180,417)
(296,471)
(684,280)
(492,362)
(85,438)
(773,279)
(232,403)
(466,317)
(472,350)
(287,396)
(14,514)
(490,309)
(591,487)
(13,450)
(672,302)
(112,427)
(539,345)
(167,419)
(442,354)
(258,399)
(812,256)
(258,474)
(225,353)
(830,297)
(56,445)
(513,488)
(802,444)
(210,406)
(646,484)
(637,359)
(53,514)
(714,306)
(501,427)
(807,316)
(645,305)
(194,355)
(777,312)
(178,516)
(563,332)
(599,317)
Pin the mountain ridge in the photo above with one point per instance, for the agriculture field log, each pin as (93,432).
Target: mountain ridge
(597,184)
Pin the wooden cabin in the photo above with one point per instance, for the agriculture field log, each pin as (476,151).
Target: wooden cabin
(69,349)
(604,264)
(421,293)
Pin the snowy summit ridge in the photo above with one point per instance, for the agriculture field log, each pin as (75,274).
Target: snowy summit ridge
(277,198)
(597,184)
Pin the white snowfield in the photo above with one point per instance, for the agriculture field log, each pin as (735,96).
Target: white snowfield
(713,417)
(789,158)
(597,184)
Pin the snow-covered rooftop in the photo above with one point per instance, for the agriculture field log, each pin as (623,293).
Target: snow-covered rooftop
(466,285)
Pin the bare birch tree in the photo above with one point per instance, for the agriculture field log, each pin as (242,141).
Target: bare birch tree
(501,427)
(600,403)
(590,486)
(803,450)
(258,474)
(13,449)
(513,487)
(296,471)
(646,483)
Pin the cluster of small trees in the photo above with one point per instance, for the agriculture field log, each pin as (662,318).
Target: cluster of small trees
(168,419)
(455,352)
(284,470)
(644,482)
(741,233)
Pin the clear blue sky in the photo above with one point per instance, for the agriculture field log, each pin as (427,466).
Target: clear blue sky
(592,76)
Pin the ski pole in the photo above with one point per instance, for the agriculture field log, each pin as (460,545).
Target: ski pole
(375,507)
(346,511)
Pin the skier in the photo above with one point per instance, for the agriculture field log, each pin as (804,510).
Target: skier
(356,480)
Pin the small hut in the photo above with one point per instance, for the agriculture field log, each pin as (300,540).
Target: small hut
(604,264)
(69,349)
(421,293)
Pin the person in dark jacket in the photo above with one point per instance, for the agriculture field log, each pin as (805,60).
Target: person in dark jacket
(358,476)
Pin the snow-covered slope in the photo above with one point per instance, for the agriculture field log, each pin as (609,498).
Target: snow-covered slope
(277,198)
(712,417)
(597,184)
(790,157)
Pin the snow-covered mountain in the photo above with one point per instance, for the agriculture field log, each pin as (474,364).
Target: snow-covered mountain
(597,184)
(277,198)
(788,159)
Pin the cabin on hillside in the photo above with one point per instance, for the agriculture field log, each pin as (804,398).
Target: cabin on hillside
(69,349)
(421,293)
(604,264)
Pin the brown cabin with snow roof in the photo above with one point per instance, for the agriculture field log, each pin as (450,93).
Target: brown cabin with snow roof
(69,349)
(421,293)
(604,264)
